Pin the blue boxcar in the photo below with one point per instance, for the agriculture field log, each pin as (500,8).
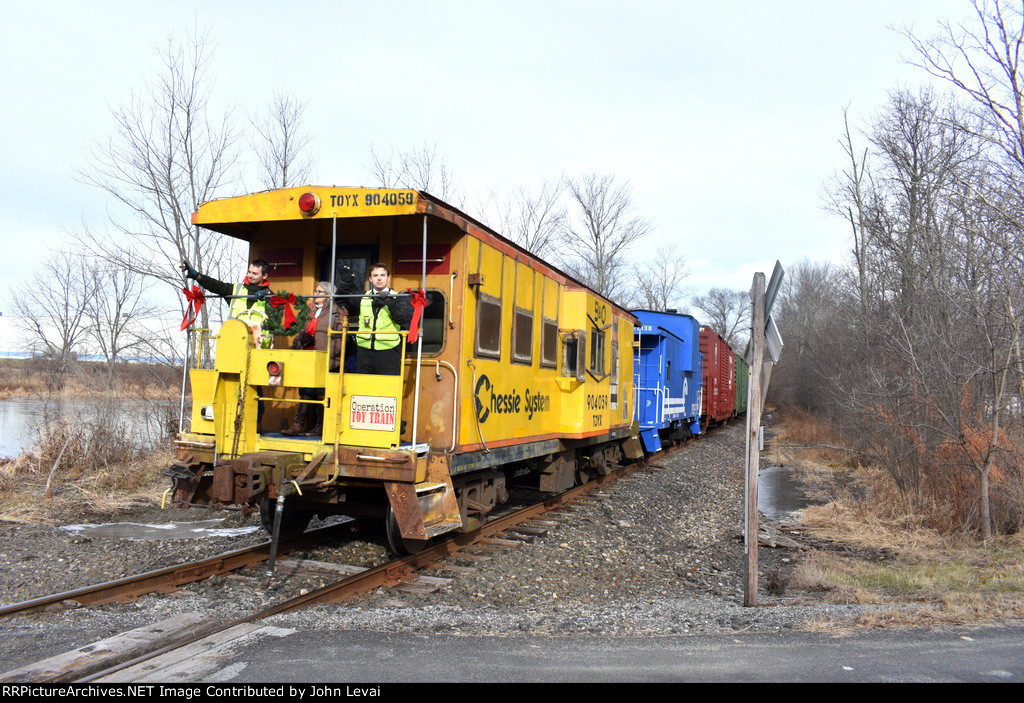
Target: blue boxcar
(668,378)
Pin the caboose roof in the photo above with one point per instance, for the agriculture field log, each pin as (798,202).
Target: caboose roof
(240,216)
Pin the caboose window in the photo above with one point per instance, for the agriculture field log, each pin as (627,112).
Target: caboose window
(522,337)
(574,354)
(488,326)
(549,344)
(597,352)
(432,324)
(569,360)
(614,385)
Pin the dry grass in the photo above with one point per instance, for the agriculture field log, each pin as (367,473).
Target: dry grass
(806,443)
(889,557)
(35,378)
(29,494)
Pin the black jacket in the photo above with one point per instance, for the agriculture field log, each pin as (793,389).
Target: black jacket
(399,307)
(227,289)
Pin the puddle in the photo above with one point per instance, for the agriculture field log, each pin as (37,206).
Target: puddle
(171,530)
(779,493)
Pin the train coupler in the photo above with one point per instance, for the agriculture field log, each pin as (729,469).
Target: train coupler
(185,478)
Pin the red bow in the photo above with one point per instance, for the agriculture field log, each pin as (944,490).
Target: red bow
(419,301)
(193,301)
(289,311)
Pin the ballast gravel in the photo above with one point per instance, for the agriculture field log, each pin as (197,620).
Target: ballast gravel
(655,554)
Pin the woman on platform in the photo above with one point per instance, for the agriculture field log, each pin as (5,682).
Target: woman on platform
(323,312)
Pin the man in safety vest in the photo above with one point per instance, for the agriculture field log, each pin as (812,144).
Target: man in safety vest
(381,311)
(248,299)
(248,303)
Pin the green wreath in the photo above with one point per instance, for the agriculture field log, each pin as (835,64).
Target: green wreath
(274,324)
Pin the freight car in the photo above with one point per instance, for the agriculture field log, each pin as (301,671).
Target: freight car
(742,379)
(520,371)
(719,392)
(667,378)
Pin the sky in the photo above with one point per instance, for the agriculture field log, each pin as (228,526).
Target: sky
(723,117)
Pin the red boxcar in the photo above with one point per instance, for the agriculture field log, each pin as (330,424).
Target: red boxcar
(719,402)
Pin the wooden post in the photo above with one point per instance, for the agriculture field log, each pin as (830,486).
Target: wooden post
(755,392)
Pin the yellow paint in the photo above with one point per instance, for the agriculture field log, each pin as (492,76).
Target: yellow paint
(203,383)
(505,400)
(370,397)
(283,205)
(302,369)
(496,398)
(345,397)
(466,396)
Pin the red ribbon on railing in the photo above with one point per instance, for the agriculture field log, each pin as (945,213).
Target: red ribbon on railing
(419,301)
(289,309)
(193,301)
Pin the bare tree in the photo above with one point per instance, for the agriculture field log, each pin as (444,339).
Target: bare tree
(167,156)
(52,306)
(280,144)
(984,64)
(816,307)
(117,310)
(599,232)
(982,61)
(532,219)
(386,171)
(419,169)
(727,312)
(924,369)
(847,197)
(660,281)
(920,350)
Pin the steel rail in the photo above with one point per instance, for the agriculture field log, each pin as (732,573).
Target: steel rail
(394,572)
(167,579)
(389,574)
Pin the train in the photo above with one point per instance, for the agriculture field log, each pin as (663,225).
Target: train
(515,373)
(687,378)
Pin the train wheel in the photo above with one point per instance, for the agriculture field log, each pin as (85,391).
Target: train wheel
(294,521)
(399,544)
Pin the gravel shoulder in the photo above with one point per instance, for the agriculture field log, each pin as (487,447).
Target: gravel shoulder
(658,554)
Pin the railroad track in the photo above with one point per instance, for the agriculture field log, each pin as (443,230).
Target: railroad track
(170,578)
(393,573)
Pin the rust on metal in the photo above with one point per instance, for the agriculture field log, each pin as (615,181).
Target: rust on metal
(391,574)
(168,579)
(377,464)
(406,508)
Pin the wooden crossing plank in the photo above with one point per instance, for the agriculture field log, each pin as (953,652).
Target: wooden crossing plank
(198,661)
(109,652)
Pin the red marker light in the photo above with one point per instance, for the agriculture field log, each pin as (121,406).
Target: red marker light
(274,371)
(309,203)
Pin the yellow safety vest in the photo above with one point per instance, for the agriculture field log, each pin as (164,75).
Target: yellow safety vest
(381,322)
(253,316)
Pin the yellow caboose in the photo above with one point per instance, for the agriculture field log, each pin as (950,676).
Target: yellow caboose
(519,372)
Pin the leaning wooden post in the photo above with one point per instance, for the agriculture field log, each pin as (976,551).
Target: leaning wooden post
(755,395)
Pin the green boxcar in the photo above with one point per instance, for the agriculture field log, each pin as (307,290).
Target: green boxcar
(742,374)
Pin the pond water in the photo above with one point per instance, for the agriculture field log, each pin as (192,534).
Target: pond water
(22,418)
(779,493)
